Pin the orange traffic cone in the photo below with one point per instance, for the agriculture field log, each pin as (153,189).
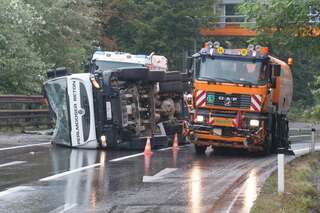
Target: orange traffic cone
(175,145)
(174,158)
(147,162)
(147,149)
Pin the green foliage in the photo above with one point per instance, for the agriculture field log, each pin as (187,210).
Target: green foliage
(19,60)
(165,26)
(37,35)
(283,26)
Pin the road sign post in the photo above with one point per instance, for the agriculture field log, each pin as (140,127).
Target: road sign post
(313,141)
(280,170)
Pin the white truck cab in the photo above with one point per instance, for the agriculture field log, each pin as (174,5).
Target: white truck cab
(120,101)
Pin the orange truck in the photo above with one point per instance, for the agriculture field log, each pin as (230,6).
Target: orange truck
(240,99)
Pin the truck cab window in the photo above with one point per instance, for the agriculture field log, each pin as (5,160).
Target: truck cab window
(236,71)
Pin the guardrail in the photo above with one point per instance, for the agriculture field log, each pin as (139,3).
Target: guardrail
(23,112)
(297,134)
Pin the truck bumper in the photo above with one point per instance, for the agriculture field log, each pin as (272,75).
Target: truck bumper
(204,135)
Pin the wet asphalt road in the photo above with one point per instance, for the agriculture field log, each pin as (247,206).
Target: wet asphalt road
(46,178)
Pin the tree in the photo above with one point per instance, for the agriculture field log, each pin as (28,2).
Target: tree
(69,33)
(37,35)
(162,26)
(283,26)
(21,65)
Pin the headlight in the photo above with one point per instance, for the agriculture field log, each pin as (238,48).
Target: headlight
(200,118)
(254,123)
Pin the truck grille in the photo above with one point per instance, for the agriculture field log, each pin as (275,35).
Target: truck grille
(86,107)
(229,100)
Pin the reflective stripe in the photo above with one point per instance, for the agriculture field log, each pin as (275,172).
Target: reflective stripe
(256,102)
(200,98)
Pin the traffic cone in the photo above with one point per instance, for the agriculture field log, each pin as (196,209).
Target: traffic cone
(147,162)
(175,157)
(175,145)
(147,149)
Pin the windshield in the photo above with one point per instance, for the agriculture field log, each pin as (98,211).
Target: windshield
(231,71)
(56,92)
(108,65)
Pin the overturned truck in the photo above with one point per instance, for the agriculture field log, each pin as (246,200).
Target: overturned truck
(118,102)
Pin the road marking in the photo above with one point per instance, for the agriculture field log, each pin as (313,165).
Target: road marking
(12,163)
(126,157)
(299,136)
(64,208)
(158,176)
(169,148)
(24,146)
(69,172)
(15,189)
(140,154)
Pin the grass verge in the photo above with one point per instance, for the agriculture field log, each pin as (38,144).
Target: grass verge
(302,188)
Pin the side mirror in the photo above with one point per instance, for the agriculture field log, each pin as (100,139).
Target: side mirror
(273,82)
(277,69)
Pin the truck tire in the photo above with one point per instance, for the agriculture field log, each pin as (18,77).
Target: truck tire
(173,76)
(156,75)
(200,149)
(171,86)
(268,146)
(132,74)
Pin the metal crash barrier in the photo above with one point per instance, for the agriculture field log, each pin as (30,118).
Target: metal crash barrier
(23,112)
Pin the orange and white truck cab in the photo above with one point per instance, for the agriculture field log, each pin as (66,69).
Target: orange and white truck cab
(240,99)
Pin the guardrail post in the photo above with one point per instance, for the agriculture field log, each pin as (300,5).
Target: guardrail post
(280,170)
(313,142)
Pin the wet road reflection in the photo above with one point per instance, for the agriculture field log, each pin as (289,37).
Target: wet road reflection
(195,186)
(195,189)
(250,190)
(81,188)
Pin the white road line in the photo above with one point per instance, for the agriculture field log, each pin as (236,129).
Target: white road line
(12,163)
(69,172)
(169,148)
(15,189)
(64,208)
(24,146)
(126,157)
(299,136)
(140,154)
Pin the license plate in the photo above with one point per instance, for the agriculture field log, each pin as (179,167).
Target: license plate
(222,122)
(217,131)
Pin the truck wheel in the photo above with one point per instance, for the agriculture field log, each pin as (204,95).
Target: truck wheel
(156,75)
(200,150)
(267,146)
(172,86)
(132,74)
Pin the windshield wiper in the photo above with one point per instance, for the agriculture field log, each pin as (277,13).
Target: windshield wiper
(244,82)
(220,80)
(206,79)
(225,80)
